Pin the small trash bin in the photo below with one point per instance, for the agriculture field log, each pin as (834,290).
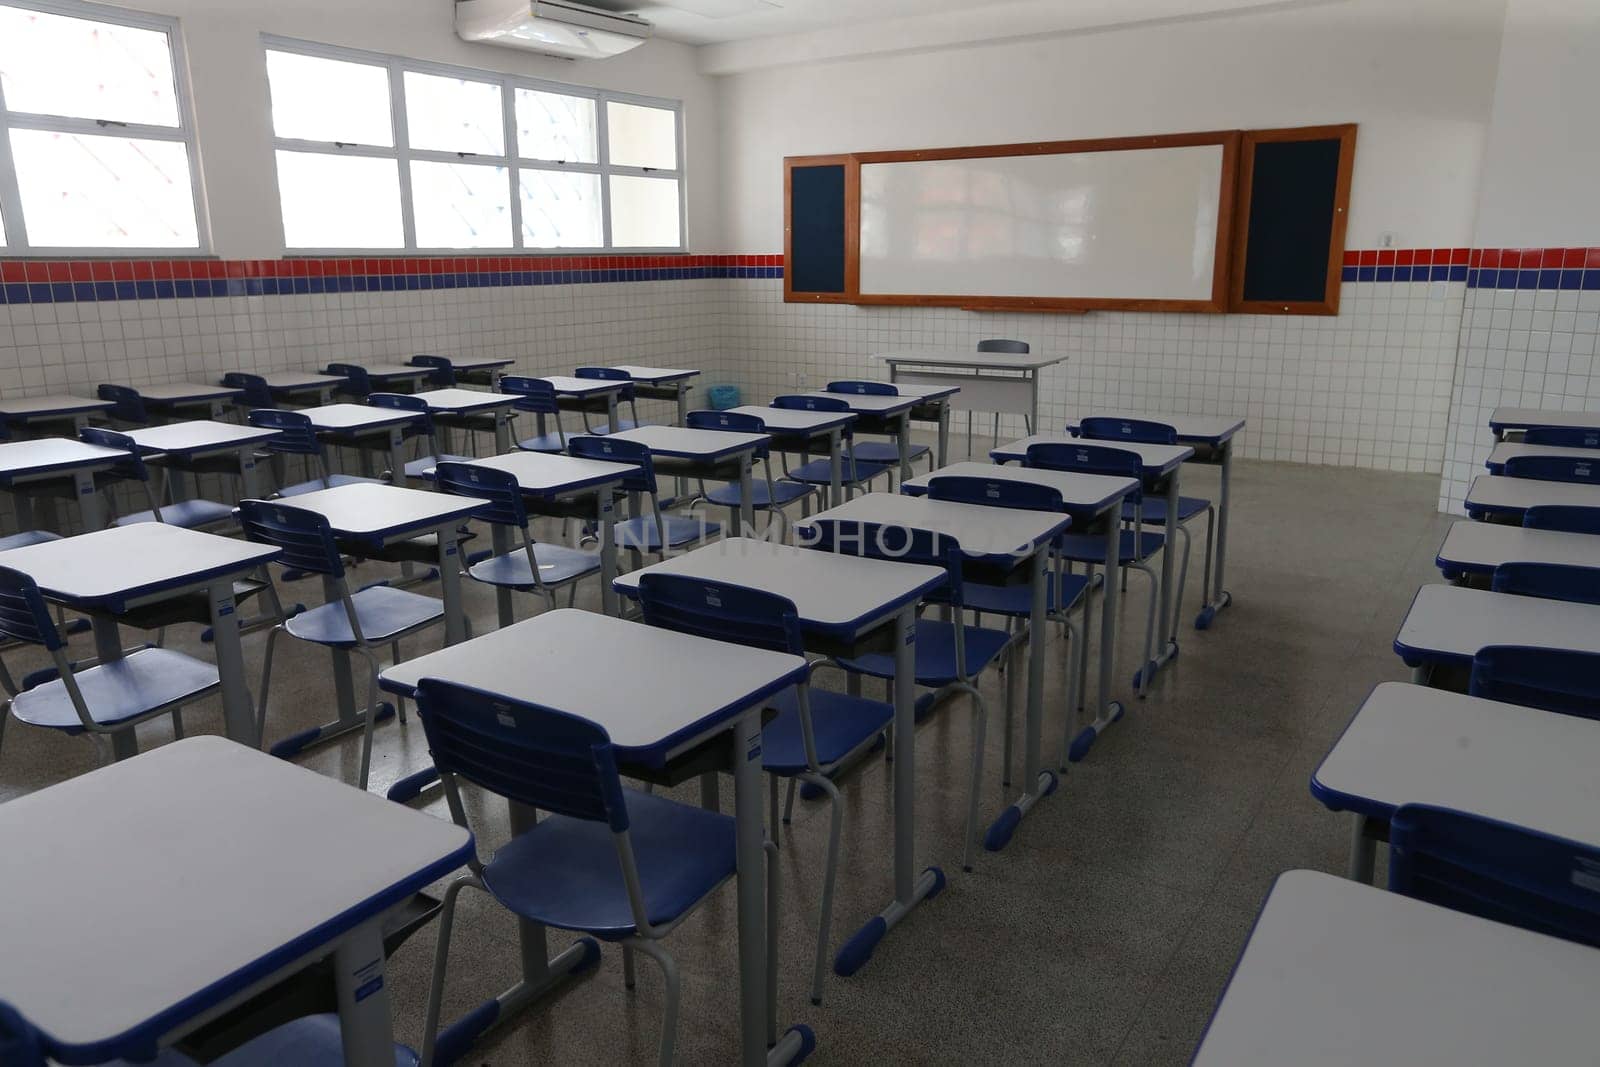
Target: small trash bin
(723,397)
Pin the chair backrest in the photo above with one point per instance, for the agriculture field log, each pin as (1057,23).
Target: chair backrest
(738,421)
(505,506)
(257,394)
(1569,518)
(1142,431)
(721,611)
(357,382)
(801,402)
(898,544)
(611,449)
(24,616)
(296,437)
(608,374)
(1497,871)
(132,468)
(443,376)
(1561,680)
(1548,581)
(1562,436)
(1555,468)
(19,1042)
(995,493)
(304,535)
(1088,459)
(422,427)
(533,755)
(863,388)
(129,405)
(998,344)
(534,395)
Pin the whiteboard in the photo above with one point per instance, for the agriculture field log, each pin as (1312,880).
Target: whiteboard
(1128,224)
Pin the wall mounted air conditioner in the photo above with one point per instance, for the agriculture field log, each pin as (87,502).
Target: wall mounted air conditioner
(554,27)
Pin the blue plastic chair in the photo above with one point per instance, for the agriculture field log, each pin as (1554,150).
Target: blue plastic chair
(296,437)
(1562,437)
(423,429)
(1136,546)
(1548,581)
(349,622)
(628,396)
(949,655)
(537,397)
(1580,469)
(193,514)
(443,374)
(614,864)
(651,532)
(880,451)
(854,471)
(816,731)
(530,566)
(768,494)
(1496,871)
(357,382)
(1552,679)
(129,406)
(1569,518)
(103,701)
(254,391)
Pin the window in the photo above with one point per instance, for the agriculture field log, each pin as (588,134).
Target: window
(96,140)
(376,152)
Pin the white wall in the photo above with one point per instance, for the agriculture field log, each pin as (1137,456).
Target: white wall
(230,91)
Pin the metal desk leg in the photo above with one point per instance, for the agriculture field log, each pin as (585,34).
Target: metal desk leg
(1109,710)
(835,461)
(944,432)
(455,615)
(108,648)
(238,710)
(502,432)
(1363,850)
(1167,627)
(683,403)
(1220,598)
(903,439)
(249,476)
(397,457)
(91,509)
(605,513)
(749,835)
(1039,783)
(344,692)
(747,515)
(365,1024)
(500,539)
(910,889)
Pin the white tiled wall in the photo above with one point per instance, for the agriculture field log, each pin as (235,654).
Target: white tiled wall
(1519,348)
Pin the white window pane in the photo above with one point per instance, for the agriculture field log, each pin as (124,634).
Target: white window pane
(339,201)
(315,99)
(90,191)
(56,65)
(560,209)
(459,205)
(453,115)
(644,212)
(642,136)
(552,126)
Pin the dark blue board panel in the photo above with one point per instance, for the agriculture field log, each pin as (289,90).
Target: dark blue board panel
(1292,201)
(816,218)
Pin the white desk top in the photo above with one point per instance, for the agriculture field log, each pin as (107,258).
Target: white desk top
(1454,621)
(123,563)
(33,407)
(1337,972)
(199,435)
(45,454)
(982,532)
(1413,745)
(292,380)
(661,692)
(396,371)
(795,421)
(1496,492)
(869,403)
(1526,418)
(1194,429)
(946,357)
(923,391)
(656,374)
(1482,546)
(365,509)
(455,400)
(678,442)
(476,362)
(833,592)
(185,875)
(342,418)
(1505,450)
(185,392)
(550,475)
(1159,460)
(566,385)
(1083,494)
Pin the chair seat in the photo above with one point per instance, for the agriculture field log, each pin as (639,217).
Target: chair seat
(784,491)
(1091,548)
(551,443)
(1155,509)
(334,481)
(820,472)
(840,724)
(884,452)
(26,538)
(118,692)
(417,467)
(557,564)
(564,872)
(384,612)
(1017,600)
(189,514)
(309,1041)
(936,653)
(641,533)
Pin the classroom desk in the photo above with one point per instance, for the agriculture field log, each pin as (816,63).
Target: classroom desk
(934,399)
(367,518)
(1496,497)
(588,395)
(998,539)
(1505,450)
(296,386)
(358,424)
(794,430)
(1479,547)
(386,377)
(57,460)
(846,606)
(183,446)
(661,383)
(1162,465)
(1413,745)
(678,693)
(474,370)
(46,410)
(1340,973)
(1448,624)
(886,415)
(171,399)
(1005,383)
(108,572)
(1088,499)
(1520,420)
(1216,434)
(715,454)
(457,404)
(227,869)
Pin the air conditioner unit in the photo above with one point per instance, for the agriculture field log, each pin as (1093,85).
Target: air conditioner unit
(554,27)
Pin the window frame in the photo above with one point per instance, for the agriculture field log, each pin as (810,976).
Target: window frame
(11,213)
(403,153)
